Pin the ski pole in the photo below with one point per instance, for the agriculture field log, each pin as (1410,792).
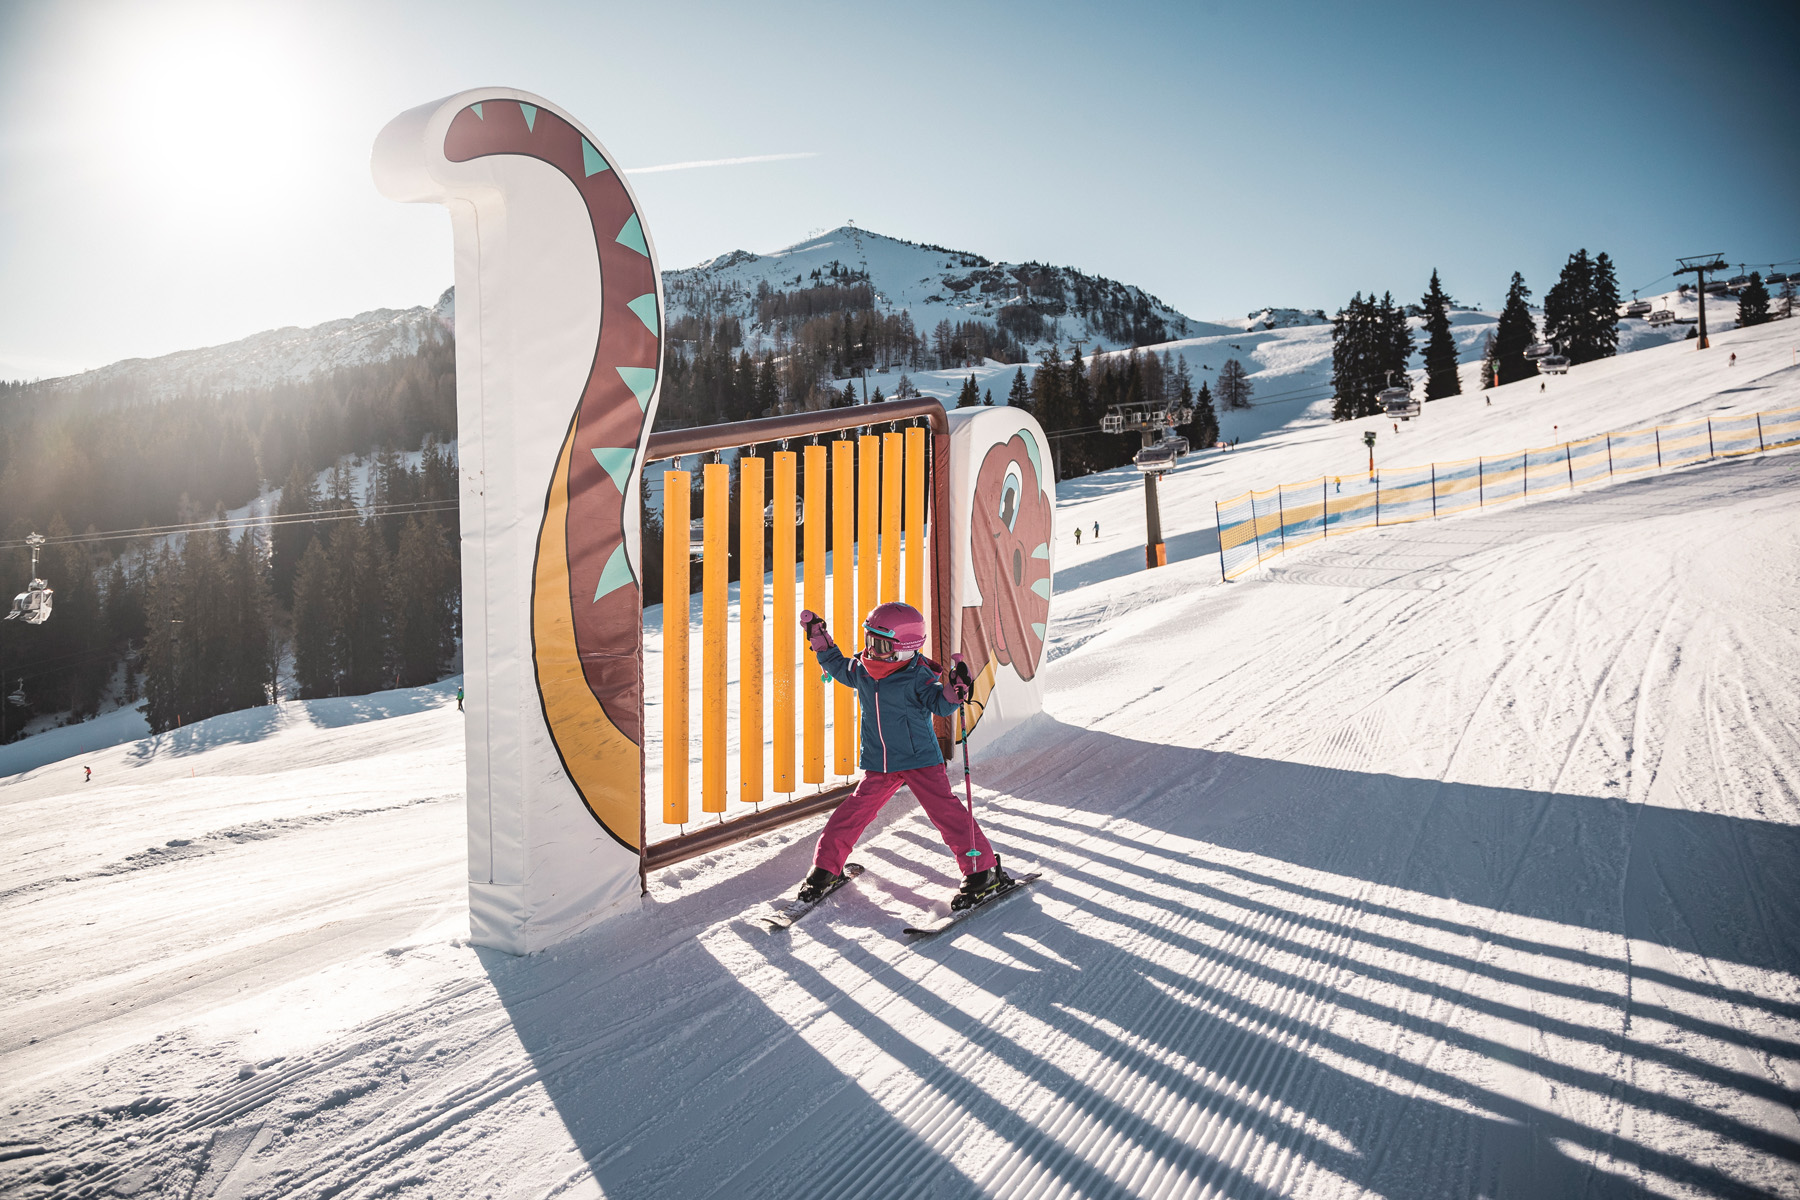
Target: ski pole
(968,788)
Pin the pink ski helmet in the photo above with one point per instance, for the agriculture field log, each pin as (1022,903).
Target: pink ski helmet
(893,631)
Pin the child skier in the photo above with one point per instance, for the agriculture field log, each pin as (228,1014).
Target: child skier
(899,691)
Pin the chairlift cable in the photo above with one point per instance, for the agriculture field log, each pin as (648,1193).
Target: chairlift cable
(235,523)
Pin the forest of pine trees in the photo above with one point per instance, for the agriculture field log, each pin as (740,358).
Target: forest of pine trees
(199,624)
(1073,394)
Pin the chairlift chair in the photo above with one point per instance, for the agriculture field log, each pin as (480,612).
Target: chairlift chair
(1398,402)
(18,695)
(34,602)
(1737,283)
(1539,350)
(1178,444)
(1660,318)
(1638,308)
(1554,364)
(1155,459)
(1112,423)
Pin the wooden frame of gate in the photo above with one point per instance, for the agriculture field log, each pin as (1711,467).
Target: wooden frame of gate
(674,444)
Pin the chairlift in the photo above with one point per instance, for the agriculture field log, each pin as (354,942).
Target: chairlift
(18,695)
(1660,318)
(1554,364)
(34,602)
(1637,308)
(1178,444)
(1112,423)
(1737,283)
(1399,402)
(1539,350)
(1154,460)
(1777,277)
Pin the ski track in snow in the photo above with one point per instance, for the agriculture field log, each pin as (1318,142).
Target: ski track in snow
(1449,859)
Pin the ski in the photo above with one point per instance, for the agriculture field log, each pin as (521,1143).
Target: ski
(943,921)
(783,913)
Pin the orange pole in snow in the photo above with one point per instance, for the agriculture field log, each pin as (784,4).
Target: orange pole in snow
(843,595)
(785,617)
(812,692)
(675,647)
(915,517)
(750,629)
(893,454)
(714,590)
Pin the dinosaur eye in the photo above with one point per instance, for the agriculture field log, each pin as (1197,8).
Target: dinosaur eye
(1009,497)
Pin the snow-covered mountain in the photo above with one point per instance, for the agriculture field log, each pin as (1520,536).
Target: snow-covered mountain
(1035,303)
(283,355)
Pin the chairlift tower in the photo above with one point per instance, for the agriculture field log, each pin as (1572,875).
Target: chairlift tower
(1698,266)
(1158,451)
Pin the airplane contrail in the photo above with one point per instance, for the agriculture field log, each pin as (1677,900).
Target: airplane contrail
(719,162)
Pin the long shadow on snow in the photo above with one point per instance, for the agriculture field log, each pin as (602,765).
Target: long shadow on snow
(828,1064)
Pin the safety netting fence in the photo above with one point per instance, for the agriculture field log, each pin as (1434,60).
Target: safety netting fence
(1257,525)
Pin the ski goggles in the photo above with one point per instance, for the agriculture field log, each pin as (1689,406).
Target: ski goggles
(878,644)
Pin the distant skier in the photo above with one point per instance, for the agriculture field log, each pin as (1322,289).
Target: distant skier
(1078,535)
(89,777)
(1096,531)
(899,690)
(1732,362)
(459,695)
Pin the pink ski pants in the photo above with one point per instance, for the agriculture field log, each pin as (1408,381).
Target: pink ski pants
(931,785)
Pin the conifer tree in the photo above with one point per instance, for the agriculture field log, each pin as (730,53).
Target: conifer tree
(1440,347)
(1514,334)
(299,495)
(1020,395)
(1396,345)
(987,398)
(1603,308)
(1203,430)
(1234,385)
(848,398)
(1753,304)
(359,608)
(1581,312)
(970,395)
(423,633)
(1351,360)
(315,669)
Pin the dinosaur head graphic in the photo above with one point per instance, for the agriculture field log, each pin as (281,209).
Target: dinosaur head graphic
(1009,544)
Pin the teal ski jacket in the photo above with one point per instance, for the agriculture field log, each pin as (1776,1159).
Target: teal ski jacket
(896,711)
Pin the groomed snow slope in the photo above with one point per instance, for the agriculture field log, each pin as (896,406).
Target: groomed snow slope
(1452,859)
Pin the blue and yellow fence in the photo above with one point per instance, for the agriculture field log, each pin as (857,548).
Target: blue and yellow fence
(1257,525)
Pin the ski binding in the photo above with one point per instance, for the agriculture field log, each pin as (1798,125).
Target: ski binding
(941,921)
(782,914)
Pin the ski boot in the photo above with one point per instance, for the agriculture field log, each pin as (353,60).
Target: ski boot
(979,886)
(818,881)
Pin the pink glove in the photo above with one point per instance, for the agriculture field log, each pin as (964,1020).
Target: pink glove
(958,686)
(816,636)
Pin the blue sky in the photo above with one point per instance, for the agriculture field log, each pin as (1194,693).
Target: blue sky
(179,174)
